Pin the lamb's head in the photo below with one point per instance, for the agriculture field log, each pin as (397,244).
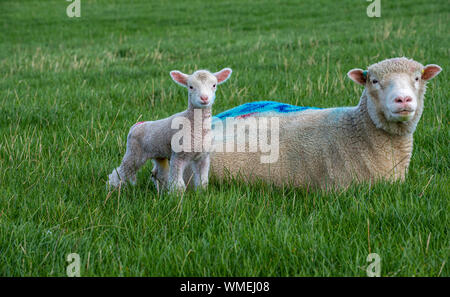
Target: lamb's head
(395,90)
(201,85)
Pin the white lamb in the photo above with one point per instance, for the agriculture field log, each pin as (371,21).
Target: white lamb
(160,140)
(333,147)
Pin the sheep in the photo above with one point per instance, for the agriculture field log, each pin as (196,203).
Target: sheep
(332,148)
(172,149)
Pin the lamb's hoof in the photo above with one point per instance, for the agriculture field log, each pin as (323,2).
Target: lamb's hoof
(160,187)
(204,186)
(157,185)
(159,181)
(114,180)
(177,189)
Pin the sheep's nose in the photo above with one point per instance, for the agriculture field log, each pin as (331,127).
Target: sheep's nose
(403,100)
(204,98)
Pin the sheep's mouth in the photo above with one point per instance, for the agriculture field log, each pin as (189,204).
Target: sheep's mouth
(403,115)
(403,112)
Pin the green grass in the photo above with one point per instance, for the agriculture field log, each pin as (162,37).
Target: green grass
(71,88)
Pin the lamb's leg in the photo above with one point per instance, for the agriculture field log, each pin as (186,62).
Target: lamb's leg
(160,173)
(195,174)
(176,169)
(200,170)
(133,160)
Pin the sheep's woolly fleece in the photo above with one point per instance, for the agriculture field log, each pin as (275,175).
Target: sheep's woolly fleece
(395,65)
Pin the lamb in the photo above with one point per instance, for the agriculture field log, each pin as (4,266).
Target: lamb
(173,149)
(334,147)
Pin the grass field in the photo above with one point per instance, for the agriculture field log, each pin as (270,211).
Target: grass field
(71,88)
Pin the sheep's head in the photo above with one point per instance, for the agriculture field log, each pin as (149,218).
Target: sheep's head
(395,91)
(201,85)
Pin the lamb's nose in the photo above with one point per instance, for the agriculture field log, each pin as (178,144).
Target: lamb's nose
(204,98)
(403,100)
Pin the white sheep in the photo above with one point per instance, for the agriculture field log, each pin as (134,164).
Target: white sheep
(333,147)
(172,149)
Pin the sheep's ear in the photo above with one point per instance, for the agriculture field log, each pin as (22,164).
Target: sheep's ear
(358,75)
(179,77)
(223,75)
(430,71)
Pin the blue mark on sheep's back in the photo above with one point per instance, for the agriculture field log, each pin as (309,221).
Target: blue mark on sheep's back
(261,106)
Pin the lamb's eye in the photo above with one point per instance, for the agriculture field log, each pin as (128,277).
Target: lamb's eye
(417,79)
(191,87)
(374,81)
(214,85)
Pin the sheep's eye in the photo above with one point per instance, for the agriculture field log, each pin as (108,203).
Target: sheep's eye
(214,85)
(374,81)
(417,79)
(191,87)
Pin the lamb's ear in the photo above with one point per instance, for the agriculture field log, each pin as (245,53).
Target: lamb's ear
(430,71)
(179,77)
(223,75)
(358,75)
